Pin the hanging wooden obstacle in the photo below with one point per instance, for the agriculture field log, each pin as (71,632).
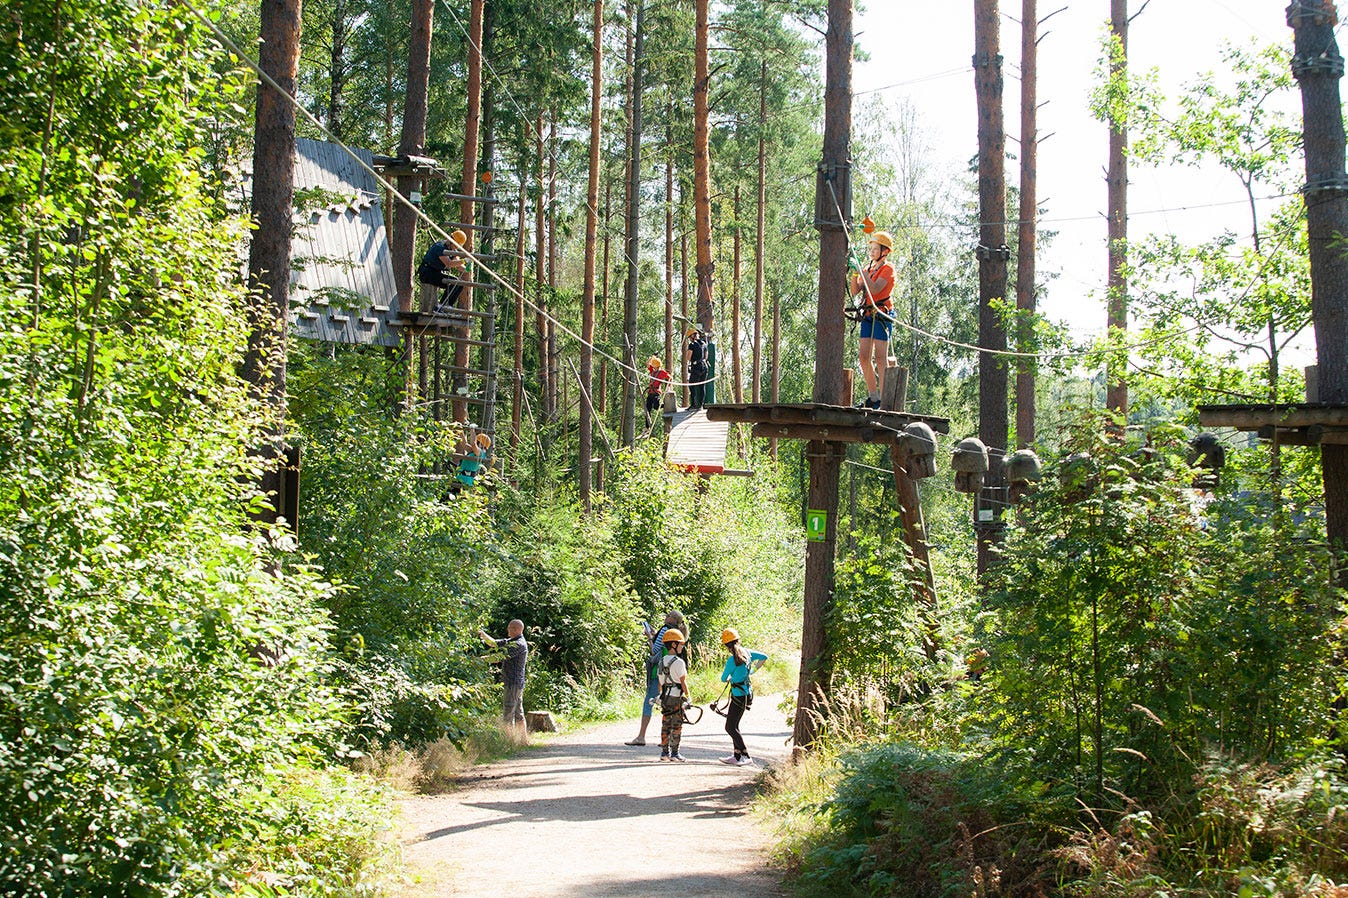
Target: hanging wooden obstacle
(696,444)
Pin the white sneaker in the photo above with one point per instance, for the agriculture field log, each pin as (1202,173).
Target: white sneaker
(730,760)
(745,761)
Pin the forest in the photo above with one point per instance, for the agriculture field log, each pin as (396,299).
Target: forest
(1133,685)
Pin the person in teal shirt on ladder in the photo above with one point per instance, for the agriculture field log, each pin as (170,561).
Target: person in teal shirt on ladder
(738,668)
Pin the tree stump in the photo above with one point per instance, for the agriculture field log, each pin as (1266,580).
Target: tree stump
(540,721)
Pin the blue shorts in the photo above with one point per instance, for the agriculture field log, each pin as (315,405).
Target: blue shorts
(652,690)
(876,328)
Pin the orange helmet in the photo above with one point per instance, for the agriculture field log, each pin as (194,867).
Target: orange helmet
(460,238)
(884,239)
(672,635)
(654,362)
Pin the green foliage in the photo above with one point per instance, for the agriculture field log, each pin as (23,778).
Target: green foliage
(165,664)
(1127,636)
(564,580)
(875,632)
(1253,829)
(660,524)
(925,824)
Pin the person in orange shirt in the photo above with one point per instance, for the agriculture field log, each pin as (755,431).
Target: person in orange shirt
(874,284)
(655,390)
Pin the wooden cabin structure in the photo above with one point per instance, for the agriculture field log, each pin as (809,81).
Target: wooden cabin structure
(341,280)
(343,290)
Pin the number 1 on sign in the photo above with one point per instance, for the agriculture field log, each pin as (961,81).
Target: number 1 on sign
(816,525)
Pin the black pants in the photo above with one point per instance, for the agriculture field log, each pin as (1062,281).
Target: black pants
(732,723)
(450,287)
(697,392)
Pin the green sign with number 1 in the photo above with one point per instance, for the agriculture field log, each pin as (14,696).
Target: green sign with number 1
(816,525)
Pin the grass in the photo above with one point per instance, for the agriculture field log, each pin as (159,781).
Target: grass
(433,769)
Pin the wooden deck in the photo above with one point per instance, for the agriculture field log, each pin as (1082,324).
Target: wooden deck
(831,423)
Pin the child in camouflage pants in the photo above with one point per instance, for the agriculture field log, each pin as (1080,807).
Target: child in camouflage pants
(673,678)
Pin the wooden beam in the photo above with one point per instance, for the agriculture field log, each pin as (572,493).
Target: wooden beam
(820,415)
(1253,417)
(832,434)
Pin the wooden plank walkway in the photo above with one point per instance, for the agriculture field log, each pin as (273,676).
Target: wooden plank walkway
(697,444)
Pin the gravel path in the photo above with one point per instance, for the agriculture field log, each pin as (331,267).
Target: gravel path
(585,815)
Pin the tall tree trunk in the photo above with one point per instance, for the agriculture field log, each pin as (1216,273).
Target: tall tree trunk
(1028,233)
(340,24)
(775,384)
(517,389)
(591,235)
(702,166)
(555,405)
(669,244)
(487,218)
(760,233)
(413,143)
(1116,387)
(683,302)
(1318,67)
(992,252)
(541,273)
(264,362)
(468,208)
(601,401)
(826,458)
(736,371)
(632,244)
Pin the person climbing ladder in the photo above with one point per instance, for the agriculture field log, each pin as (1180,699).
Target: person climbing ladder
(444,266)
(655,390)
(874,284)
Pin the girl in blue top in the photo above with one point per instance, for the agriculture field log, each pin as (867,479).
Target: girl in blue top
(738,668)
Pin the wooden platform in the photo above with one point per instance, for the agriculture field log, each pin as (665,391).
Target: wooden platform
(832,423)
(696,443)
(1299,424)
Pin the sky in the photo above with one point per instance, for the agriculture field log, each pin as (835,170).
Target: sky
(922,56)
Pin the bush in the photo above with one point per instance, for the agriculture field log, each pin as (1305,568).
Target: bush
(164,662)
(1127,638)
(927,825)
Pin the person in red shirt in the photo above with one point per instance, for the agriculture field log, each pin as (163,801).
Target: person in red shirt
(655,390)
(874,284)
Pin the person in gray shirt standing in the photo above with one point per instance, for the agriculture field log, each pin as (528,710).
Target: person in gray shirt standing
(512,670)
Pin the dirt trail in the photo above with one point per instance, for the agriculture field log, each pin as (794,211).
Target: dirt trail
(586,815)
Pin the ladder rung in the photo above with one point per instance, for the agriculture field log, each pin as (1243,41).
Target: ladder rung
(458,313)
(479,372)
(484,284)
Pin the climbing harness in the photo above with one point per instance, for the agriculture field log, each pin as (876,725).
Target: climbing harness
(722,704)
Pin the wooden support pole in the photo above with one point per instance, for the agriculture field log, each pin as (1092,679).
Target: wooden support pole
(915,535)
(1318,67)
(833,197)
